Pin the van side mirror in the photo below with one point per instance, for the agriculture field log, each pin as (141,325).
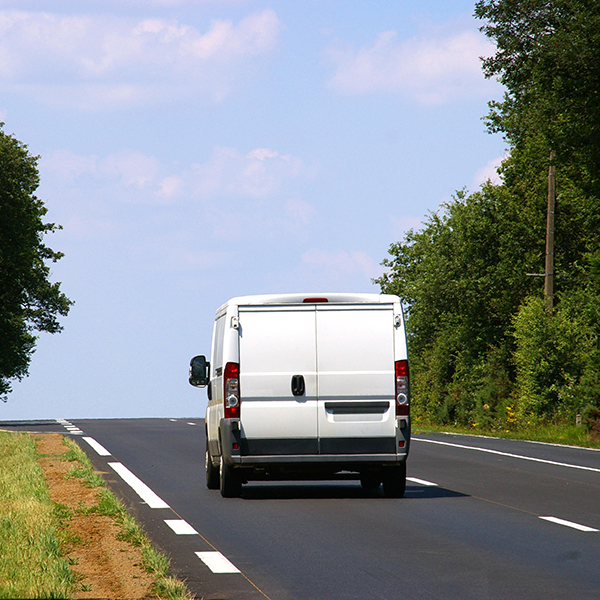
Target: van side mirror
(199,367)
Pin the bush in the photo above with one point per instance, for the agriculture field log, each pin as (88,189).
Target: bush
(553,351)
(590,418)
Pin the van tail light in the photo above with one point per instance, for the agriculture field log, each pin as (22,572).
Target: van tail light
(231,390)
(402,388)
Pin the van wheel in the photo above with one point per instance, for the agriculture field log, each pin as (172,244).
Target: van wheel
(394,481)
(370,481)
(231,482)
(212,473)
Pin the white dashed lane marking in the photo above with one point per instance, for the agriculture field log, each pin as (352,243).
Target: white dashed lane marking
(181,527)
(140,488)
(421,481)
(569,524)
(556,520)
(216,562)
(70,427)
(99,448)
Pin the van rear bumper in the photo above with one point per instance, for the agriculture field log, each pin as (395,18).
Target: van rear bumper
(339,453)
(317,459)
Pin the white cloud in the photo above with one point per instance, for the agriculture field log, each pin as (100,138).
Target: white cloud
(431,69)
(130,168)
(259,174)
(67,166)
(174,216)
(401,225)
(99,62)
(235,179)
(133,168)
(171,186)
(301,211)
(86,226)
(489,172)
(341,262)
(94,5)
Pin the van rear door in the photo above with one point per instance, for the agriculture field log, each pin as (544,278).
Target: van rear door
(277,350)
(356,378)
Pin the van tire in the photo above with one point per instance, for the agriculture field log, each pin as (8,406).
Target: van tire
(212,473)
(394,481)
(230,481)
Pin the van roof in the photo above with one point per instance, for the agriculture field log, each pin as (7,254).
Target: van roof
(335,297)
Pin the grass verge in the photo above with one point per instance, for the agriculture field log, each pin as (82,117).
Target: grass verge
(36,537)
(32,561)
(108,504)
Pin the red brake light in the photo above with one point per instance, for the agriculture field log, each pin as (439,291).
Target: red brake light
(231,390)
(402,388)
(315,300)
(232,370)
(401,368)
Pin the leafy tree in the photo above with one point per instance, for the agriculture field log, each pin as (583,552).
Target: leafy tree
(29,302)
(483,347)
(547,58)
(461,278)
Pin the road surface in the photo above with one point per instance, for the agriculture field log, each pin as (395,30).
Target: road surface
(482,518)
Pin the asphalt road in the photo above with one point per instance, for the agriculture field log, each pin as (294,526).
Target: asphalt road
(504,520)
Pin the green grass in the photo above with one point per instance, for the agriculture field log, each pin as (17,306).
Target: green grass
(108,504)
(153,561)
(568,435)
(32,563)
(34,532)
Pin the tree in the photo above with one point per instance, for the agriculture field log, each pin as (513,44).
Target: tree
(547,56)
(29,302)
(461,278)
(479,342)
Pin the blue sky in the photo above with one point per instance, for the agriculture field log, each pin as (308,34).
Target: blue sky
(195,150)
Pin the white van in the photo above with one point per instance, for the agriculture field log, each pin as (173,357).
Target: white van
(307,386)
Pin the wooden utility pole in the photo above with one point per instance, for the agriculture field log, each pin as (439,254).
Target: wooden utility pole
(549,271)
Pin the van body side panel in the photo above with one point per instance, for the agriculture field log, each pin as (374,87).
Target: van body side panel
(214,411)
(356,379)
(276,344)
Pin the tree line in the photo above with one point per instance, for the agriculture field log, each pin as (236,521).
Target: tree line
(486,349)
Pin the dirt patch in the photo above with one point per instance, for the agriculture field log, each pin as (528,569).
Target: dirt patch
(108,567)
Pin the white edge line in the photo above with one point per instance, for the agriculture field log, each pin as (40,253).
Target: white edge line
(489,451)
(140,488)
(216,562)
(99,448)
(569,524)
(421,481)
(493,437)
(181,527)
(558,445)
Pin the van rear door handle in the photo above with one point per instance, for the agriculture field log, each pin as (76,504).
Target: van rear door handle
(298,385)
